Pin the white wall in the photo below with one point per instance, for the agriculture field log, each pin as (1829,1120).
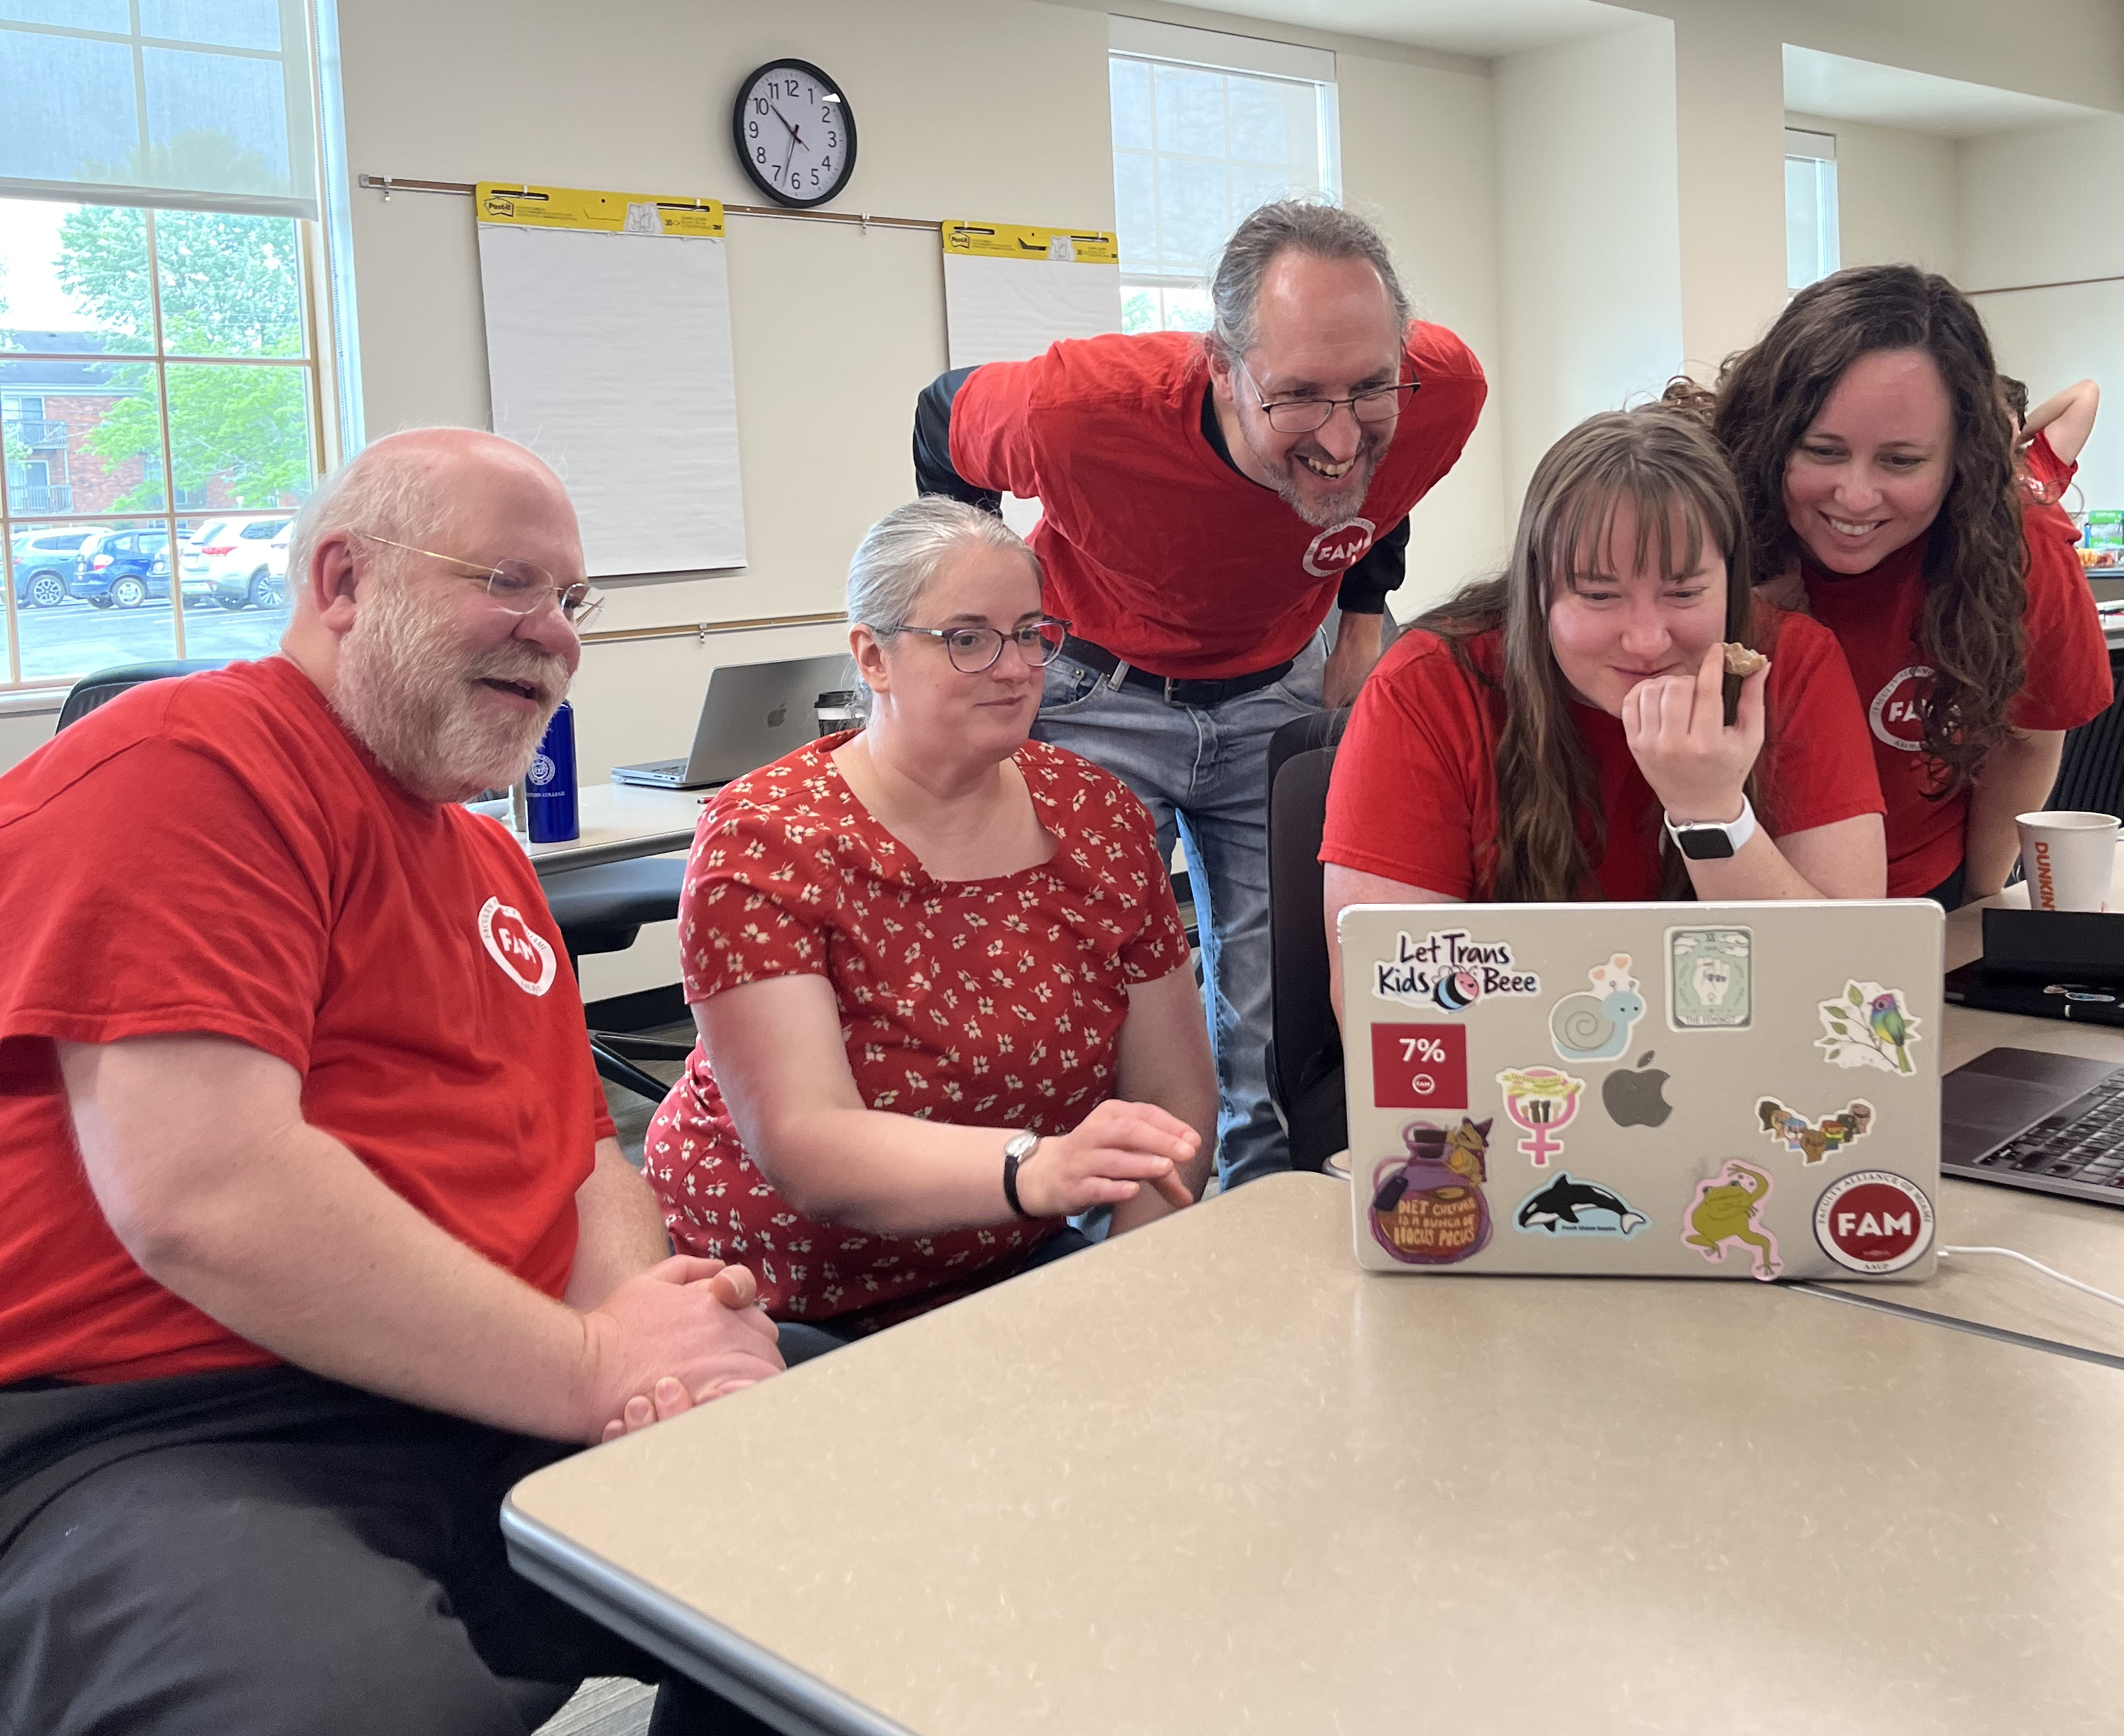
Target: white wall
(1898,195)
(1589,233)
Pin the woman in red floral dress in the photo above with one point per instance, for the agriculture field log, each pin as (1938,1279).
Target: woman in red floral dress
(907,945)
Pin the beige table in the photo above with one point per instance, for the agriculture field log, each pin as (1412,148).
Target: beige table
(1211,1479)
(620,821)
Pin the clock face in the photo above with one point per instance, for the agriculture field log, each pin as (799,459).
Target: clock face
(794,133)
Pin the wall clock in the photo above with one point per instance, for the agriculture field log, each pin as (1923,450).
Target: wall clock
(794,133)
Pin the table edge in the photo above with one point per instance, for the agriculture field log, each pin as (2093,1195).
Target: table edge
(620,850)
(764,1684)
(1831,1290)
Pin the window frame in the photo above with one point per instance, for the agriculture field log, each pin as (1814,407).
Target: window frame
(1819,149)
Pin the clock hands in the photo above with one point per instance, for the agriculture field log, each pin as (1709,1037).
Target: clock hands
(795,137)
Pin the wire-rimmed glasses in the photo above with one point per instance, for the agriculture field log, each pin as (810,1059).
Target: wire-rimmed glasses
(517,587)
(1308,416)
(974,649)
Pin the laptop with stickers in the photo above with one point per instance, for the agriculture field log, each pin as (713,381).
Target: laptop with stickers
(1654,1091)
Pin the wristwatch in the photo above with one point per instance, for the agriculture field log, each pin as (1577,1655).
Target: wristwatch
(1021,1146)
(1713,840)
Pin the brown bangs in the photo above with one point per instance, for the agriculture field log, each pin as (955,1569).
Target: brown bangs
(1579,537)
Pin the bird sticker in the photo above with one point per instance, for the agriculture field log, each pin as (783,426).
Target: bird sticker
(1868,1025)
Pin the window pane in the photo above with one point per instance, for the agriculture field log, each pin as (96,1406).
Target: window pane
(1140,311)
(117,606)
(1253,188)
(1261,122)
(1191,110)
(252,24)
(70,113)
(73,278)
(1131,104)
(81,15)
(1194,215)
(239,437)
(95,446)
(231,285)
(1812,241)
(1187,309)
(217,122)
(1135,210)
(233,572)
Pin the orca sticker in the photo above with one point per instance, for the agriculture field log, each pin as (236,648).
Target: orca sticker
(525,956)
(1873,1221)
(1566,1206)
(1450,972)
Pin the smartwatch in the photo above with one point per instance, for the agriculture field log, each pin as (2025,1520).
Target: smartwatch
(1021,1146)
(1713,840)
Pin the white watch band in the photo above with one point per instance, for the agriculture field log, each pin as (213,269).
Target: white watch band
(1737,831)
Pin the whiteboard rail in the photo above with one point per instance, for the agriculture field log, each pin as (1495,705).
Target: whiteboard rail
(386,185)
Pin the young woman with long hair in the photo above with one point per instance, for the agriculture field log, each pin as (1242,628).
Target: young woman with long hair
(1875,457)
(1568,730)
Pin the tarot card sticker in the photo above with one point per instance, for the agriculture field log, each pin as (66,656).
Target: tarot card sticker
(1710,979)
(1868,1025)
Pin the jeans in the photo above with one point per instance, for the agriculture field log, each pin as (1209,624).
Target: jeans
(1203,773)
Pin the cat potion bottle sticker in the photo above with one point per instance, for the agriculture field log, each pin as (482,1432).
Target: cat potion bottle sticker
(1427,1208)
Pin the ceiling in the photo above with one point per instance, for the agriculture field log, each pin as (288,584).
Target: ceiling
(1838,89)
(1482,28)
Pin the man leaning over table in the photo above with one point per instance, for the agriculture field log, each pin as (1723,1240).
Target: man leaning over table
(1204,500)
(317,1235)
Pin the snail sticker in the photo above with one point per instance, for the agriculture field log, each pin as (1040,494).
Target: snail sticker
(1540,1102)
(1428,1208)
(1710,979)
(1450,972)
(1728,1208)
(1814,1140)
(1868,1025)
(1597,1026)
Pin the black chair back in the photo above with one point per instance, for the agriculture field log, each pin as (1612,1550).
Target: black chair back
(105,685)
(1304,1055)
(2091,775)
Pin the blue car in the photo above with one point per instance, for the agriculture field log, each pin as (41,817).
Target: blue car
(123,569)
(43,566)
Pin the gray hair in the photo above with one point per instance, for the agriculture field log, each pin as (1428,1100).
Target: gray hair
(905,549)
(1326,231)
(389,493)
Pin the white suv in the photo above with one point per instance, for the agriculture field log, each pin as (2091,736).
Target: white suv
(221,557)
(261,582)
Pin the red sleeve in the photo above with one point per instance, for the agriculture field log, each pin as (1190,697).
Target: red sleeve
(1818,767)
(754,903)
(1402,804)
(2068,660)
(233,941)
(1159,947)
(2046,467)
(992,434)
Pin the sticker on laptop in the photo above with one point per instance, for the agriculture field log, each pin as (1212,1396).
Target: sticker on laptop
(1597,1026)
(1427,1207)
(1566,1206)
(1814,1140)
(1419,1067)
(1540,1102)
(1728,1210)
(1873,1221)
(1710,979)
(1636,1096)
(1450,972)
(1868,1025)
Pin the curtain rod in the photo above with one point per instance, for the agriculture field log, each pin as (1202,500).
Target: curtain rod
(2070,283)
(386,185)
(702,630)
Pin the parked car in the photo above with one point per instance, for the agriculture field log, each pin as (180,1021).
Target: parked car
(44,562)
(116,569)
(222,556)
(264,584)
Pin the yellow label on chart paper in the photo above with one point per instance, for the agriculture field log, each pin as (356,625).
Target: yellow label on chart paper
(1026,240)
(607,213)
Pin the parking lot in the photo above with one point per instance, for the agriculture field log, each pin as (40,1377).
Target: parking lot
(75,638)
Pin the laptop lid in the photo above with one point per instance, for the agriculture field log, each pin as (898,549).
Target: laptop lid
(753,713)
(1720,1090)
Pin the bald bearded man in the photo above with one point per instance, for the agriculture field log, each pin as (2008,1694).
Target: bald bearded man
(318,1236)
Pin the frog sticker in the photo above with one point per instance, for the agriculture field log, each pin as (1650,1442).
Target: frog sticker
(1728,1209)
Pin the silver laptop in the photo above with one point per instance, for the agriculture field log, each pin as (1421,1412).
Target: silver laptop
(1671,1091)
(753,714)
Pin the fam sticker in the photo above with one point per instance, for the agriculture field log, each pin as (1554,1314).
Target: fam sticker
(525,956)
(1597,1026)
(1728,1208)
(1450,972)
(1868,1025)
(1569,1207)
(1428,1208)
(1710,979)
(1873,1221)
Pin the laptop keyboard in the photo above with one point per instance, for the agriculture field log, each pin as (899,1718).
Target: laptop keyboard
(2087,1147)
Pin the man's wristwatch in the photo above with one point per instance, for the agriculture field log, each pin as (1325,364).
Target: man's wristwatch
(1021,1146)
(1713,840)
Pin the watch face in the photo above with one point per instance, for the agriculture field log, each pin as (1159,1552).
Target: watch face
(794,133)
(1704,843)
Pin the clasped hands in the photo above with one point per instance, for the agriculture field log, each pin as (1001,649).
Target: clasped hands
(1697,763)
(682,1333)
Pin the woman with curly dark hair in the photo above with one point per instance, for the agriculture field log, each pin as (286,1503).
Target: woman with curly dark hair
(1875,456)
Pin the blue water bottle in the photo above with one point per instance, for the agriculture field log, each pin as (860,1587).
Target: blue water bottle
(550,784)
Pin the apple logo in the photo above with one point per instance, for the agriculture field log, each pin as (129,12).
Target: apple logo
(774,717)
(1637,1099)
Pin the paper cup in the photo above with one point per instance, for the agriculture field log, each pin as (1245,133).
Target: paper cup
(2067,857)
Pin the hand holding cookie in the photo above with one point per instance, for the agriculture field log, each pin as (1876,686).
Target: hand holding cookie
(1675,726)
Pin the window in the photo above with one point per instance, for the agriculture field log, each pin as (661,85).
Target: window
(1812,248)
(162,408)
(1206,128)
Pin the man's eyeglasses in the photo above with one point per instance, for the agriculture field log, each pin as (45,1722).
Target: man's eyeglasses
(517,587)
(1306,416)
(974,649)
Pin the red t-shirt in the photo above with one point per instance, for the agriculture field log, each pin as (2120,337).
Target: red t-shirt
(218,854)
(1874,616)
(1154,546)
(989,1003)
(2045,478)
(1414,797)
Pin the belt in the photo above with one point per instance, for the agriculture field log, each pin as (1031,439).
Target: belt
(1174,691)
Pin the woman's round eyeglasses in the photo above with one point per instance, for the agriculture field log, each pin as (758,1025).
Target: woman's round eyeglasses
(517,587)
(974,649)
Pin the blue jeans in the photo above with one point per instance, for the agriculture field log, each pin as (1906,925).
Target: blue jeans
(1203,773)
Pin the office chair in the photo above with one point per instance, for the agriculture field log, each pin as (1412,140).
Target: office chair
(2091,775)
(105,685)
(1305,1051)
(602,909)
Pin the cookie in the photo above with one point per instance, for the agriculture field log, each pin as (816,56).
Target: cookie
(1740,660)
